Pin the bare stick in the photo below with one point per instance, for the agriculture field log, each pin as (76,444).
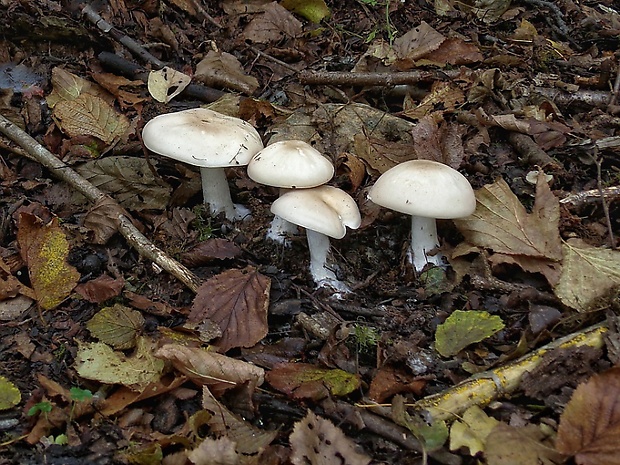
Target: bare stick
(582,198)
(63,172)
(374,79)
(599,183)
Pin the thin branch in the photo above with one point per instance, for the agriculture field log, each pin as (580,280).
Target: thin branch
(599,183)
(582,198)
(334,78)
(63,172)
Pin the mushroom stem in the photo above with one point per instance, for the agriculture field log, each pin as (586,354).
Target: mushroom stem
(423,240)
(216,194)
(318,244)
(280,230)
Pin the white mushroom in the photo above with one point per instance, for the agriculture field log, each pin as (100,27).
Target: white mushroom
(211,141)
(324,212)
(426,190)
(290,164)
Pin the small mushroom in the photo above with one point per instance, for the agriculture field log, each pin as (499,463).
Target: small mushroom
(211,141)
(324,212)
(427,191)
(289,164)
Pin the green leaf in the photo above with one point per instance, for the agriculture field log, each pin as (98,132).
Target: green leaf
(432,435)
(80,395)
(43,407)
(9,394)
(117,326)
(312,10)
(463,328)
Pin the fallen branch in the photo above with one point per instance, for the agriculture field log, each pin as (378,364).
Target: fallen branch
(63,172)
(582,198)
(483,388)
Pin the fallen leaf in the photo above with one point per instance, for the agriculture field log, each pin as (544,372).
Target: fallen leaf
(9,394)
(99,362)
(275,24)
(100,289)
(463,328)
(502,224)
(210,368)
(590,424)
(389,381)
(490,11)
(455,51)
(432,434)
(438,143)
(130,180)
(307,381)
(44,248)
(205,252)
(117,326)
(588,273)
(415,44)
(127,92)
(472,430)
(215,451)
(316,441)
(68,86)
(221,69)
(247,438)
(166,83)
(507,445)
(102,219)
(236,300)
(312,10)
(92,116)
(443,97)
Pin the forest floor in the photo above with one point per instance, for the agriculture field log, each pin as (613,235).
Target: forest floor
(136,328)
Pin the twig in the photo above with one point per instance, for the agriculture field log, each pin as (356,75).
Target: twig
(274,59)
(133,46)
(530,152)
(374,79)
(616,89)
(581,198)
(63,172)
(599,183)
(482,388)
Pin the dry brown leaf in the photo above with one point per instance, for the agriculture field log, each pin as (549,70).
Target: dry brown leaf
(127,92)
(221,69)
(102,219)
(590,425)
(455,51)
(44,248)
(507,445)
(415,44)
(166,83)
(205,252)
(236,300)
(442,144)
(100,289)
(92,116)
(247,438)
(316,441)
(215,452)
(210,368)
(502,224)
(444,97)
(275,24)
(68,86)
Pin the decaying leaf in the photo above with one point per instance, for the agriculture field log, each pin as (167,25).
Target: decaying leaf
(273,25)
(100,289)
(210,368)
(507,445)
(99,362)
(316,441)
(472,430)
(588,273)
(68,86)
(237,300)
(130,180)
(221,69)
(416,43)
(502,224)
(45,248)
(117,326)
(432,433)
(166,83)
(490,11)
(590,424)
(438,143)
(444,97)
(215,248)
(312,10)
(304,380)
(463,328)
(247,438)
(92,116)
(9,394)
(215,451)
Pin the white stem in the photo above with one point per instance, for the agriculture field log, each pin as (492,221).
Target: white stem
(216,194)
(318,244)
(423,240)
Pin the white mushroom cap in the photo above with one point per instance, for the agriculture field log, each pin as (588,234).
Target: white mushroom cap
(324,209)
(424,188)
(202,137)
(290,164)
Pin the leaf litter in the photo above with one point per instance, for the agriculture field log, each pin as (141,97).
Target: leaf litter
(523,252)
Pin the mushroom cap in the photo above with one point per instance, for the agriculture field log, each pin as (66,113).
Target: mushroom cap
(202,137)
(290,164)
(323,209)
(424,188)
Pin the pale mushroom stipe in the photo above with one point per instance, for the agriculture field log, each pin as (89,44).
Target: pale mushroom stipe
(210,140)
(426,190)
(324,212)
(290,164)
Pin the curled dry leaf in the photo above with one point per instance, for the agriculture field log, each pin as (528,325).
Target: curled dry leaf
(316,441)
(276,23)
(100,289)
(221,69)
(237,300)
(210,368)
(166,83)
(590,425)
